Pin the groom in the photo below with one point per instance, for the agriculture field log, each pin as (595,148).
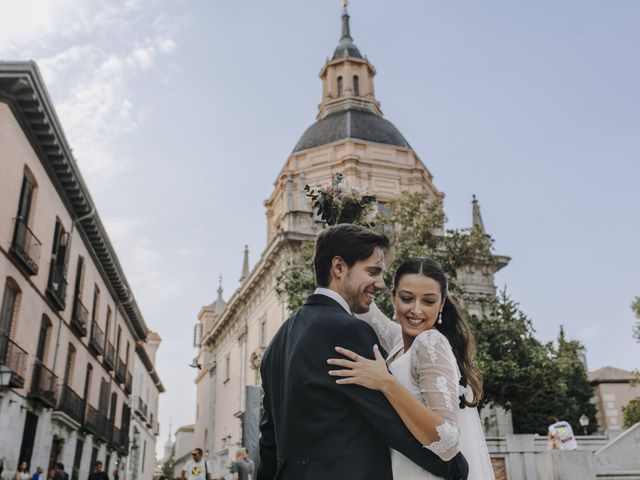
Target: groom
(313,429)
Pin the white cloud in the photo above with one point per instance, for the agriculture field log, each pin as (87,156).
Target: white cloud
(91,53)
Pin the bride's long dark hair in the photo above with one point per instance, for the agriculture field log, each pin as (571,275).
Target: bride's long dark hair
(453,326)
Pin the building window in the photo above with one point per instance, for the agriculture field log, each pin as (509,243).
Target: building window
(107,328)
(57,285)
(339,86)
(43,339)
(96,301)
(356,86)
(263,332)
(25,245)
(68,368)
(10,303)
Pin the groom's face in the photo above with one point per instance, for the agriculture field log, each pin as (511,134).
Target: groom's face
(360,282)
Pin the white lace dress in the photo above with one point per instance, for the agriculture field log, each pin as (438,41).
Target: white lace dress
(430,372)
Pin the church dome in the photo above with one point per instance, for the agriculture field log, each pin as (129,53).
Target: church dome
(351,123)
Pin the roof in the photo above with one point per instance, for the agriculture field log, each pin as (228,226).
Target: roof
(346,47)
(22,88)
(351,123)
(611,374)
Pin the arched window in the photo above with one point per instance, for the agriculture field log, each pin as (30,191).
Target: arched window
(356,86)
(43,339)
(68,368)
(10,306)
(339,86)
(8,315)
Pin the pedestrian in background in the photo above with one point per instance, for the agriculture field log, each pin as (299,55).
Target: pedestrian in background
(197,468)
(38,473)
(23,472)
(98,473)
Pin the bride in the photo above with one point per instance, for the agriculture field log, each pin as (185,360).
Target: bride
(434,385)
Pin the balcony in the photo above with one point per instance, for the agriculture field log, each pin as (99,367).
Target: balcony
(128,383)
(121,369)
(14,357)
(92,420)
(120,440)
(109,358)
(140,408)
(96,341)
(79,318)
(71,404)
(57,287)
(43,385)
(156,428)
(25,247)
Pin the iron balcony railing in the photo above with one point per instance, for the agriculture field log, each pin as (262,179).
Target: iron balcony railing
(79,318)
(15,358)
(141,408)
(71,404)
(121,369)
(128,384)
(115,437)
(43,384)
(96,342)
(57,287)
(92,421)
(150,420)
(25,247)
(109,358)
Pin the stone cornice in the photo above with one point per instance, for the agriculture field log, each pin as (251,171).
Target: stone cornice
(239,298)
(22,88)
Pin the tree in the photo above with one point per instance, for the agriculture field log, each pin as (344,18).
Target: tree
(167,466)
(533,380)
(631,412)
(635,306)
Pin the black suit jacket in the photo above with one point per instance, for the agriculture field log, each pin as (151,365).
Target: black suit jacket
(315,429)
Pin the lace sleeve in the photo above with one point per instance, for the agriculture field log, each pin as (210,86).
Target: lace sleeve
(389,332)
(436,371)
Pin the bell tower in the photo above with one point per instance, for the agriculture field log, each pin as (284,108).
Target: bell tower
(347,79)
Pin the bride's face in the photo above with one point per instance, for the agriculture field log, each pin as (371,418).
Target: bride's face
(417,301)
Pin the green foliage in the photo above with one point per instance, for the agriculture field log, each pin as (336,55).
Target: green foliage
(534,381)
(296,281)
(167,466)
(635,306)
(631,413)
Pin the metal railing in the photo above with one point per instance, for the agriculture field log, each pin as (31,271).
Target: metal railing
(141,408)
(109,358)
(26,247)
(96,342)
(92,420)
(71,404)
(14,357)
(121,369)
(79,318)
(128,384)
(43,384)
(57,286)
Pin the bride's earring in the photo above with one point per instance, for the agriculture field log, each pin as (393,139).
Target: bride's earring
(440,317)
(395,318)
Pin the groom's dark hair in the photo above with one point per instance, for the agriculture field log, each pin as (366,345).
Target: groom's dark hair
(350,242)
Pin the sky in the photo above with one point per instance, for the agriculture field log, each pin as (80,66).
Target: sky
(182,112)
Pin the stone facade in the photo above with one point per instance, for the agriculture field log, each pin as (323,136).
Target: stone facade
(614,388)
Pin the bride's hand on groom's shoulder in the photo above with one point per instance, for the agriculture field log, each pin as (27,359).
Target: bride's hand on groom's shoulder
(358,370)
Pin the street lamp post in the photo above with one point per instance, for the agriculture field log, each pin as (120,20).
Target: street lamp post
(584,421)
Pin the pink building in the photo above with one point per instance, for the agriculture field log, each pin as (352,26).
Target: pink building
(70,328)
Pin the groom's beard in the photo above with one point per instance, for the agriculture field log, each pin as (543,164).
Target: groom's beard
(352,298)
